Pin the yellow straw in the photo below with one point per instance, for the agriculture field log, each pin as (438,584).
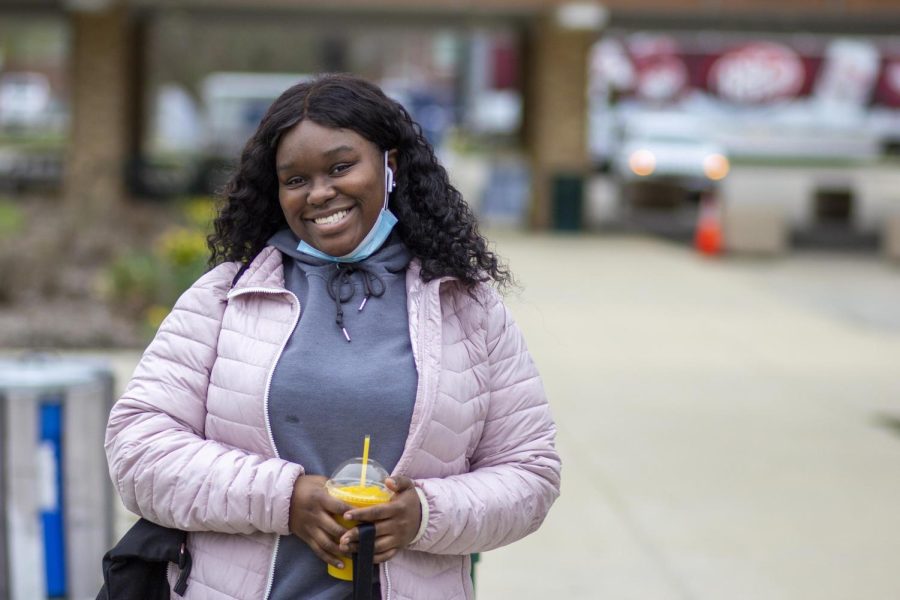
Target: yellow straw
(362,475)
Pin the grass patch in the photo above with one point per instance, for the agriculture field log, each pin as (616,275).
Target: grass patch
(12,218)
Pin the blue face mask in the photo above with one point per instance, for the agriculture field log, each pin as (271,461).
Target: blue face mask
(376,236)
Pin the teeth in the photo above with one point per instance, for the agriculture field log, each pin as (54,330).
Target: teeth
(331,218)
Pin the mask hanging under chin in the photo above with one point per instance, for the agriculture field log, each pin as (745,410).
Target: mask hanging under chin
(376,237)
(369,244)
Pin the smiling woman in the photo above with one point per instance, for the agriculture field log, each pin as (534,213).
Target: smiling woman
(332,185)
(434,221)
(250,396)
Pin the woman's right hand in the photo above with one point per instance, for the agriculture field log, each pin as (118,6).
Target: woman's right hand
(312,518)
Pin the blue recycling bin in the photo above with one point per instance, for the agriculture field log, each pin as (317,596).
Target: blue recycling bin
(56,505)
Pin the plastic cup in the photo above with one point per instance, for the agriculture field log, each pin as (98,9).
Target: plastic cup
(347,485)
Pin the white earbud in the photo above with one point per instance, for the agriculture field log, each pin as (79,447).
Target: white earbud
(389,175)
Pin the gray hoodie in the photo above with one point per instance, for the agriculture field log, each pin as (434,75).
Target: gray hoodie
(327,393)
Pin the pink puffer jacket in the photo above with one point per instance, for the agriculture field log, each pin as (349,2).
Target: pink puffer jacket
(189,443)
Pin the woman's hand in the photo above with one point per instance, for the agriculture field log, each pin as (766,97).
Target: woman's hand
(311,518)
(396,521)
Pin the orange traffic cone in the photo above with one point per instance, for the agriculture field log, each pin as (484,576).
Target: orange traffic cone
(708,237)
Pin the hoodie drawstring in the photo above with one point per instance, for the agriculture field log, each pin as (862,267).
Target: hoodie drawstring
(340,288)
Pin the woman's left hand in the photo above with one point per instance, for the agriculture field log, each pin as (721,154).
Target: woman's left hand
(396,521)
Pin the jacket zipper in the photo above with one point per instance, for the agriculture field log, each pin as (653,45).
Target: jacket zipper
(387,582)
(418,353)
(271,577)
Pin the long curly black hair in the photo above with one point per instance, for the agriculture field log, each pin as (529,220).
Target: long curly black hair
(434,221)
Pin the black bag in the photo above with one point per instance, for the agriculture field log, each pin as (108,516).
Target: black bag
(135,569)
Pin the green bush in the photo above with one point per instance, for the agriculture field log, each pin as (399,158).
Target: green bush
(199,212)
(133,282)
(12,218)
(145,285)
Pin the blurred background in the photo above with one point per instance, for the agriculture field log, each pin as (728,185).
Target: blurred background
(700,200)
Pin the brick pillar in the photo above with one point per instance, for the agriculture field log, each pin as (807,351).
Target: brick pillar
(102,132)
(556,123)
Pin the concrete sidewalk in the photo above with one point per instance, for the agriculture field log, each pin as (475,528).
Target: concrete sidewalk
(725,429)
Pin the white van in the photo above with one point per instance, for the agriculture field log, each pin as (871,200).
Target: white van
(235,103)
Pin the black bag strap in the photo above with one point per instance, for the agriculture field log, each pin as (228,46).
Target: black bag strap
(364,562)
(185,564)
(240,273)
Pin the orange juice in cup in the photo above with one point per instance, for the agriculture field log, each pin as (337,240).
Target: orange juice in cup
(360,483)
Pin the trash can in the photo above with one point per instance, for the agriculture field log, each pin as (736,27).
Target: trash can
(55,492)
(568,201)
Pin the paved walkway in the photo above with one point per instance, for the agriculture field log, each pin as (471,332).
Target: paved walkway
(725,425)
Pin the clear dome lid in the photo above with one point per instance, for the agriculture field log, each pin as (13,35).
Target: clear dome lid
(350,472)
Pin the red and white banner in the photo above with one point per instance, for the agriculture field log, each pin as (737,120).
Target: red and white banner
(663,68)
(757,73)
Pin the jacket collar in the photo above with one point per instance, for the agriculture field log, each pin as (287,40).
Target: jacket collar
(415,269)
(266,272)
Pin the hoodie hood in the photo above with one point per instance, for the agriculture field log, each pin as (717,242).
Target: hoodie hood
(392,257)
